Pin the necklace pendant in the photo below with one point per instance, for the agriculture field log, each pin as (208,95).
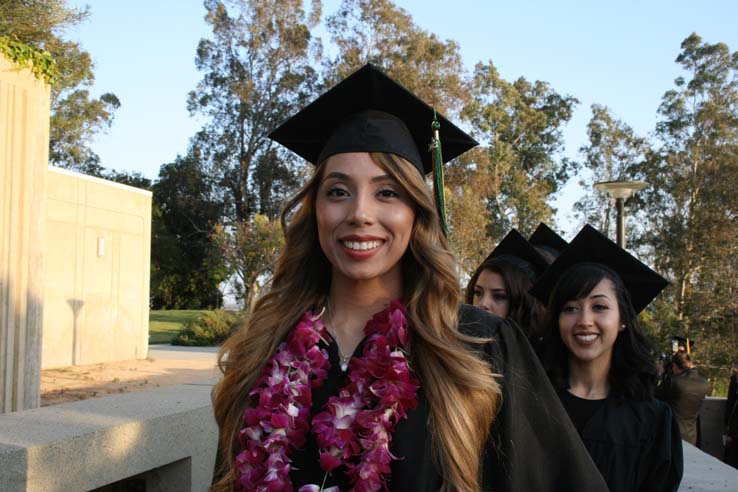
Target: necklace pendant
(344,365)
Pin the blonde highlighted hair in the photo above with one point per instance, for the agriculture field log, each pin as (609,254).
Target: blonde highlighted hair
(461,390)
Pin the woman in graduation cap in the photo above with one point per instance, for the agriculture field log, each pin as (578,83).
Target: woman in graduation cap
(358,370)
(601,363)
(500,284)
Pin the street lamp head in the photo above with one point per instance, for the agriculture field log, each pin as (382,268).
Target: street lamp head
(621,189)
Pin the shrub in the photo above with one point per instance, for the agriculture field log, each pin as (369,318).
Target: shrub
(208,329)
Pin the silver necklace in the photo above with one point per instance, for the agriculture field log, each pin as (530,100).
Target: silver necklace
(343,360)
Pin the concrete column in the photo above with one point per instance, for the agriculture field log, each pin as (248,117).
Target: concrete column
(24,154)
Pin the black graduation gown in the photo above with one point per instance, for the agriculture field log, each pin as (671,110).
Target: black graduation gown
(636,445)
(532,447)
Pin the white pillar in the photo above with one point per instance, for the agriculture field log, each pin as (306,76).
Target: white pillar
(24,153)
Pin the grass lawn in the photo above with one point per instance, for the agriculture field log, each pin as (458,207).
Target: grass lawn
(163,325)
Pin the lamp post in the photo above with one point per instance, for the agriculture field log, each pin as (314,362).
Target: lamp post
(620,191)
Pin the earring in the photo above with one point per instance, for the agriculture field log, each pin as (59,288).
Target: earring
(622,327)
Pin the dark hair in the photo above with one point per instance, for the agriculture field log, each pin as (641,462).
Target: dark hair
(632,372)
(525,310)
(682,360)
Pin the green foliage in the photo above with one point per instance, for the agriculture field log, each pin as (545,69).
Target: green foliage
(75,120)
(186,269)
(613,153)
(379,32)
(519,167)
(257,70)
(164,325)
(691,206)
(250,249)
(41,64)
(208,329)
(76,117)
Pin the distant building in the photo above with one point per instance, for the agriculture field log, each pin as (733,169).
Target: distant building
(97,255)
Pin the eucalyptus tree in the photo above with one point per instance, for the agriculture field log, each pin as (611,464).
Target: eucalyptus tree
(520,162)
(692,203)
(380,32)
(257,70)
(613,152)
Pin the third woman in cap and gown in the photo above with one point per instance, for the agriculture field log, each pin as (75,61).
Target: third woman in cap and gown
(601,363)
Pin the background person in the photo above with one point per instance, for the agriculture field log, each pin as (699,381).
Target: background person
(685,390)
(358,366)
(600,363)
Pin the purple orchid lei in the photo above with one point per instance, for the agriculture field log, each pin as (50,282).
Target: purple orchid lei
(355,428)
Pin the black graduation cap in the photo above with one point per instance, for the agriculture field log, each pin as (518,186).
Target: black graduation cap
(370,112)
(516,249)
(545,237)
(591,246)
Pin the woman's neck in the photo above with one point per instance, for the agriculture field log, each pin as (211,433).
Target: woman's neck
(352,303)
(589,379)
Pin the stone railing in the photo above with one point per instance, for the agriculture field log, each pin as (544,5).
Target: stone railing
(164,439)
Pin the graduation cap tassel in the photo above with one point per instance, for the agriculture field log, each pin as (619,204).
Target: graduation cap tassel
(438,187)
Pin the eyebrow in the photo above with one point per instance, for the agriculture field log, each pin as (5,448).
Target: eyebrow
(599,295)
(346,177)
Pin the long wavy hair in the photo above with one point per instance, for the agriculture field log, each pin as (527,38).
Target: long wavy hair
(461,389)
(632,370)
(525,310)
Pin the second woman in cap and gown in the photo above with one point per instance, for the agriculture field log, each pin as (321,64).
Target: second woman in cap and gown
(359,360)
(601,363)
(500,284)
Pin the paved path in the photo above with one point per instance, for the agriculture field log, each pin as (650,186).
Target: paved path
(178,352)
(166,365)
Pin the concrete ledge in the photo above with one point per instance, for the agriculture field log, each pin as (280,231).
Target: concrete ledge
(704,473)
(86,445)
(166,437)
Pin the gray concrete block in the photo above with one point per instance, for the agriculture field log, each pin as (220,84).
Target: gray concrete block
(88,444)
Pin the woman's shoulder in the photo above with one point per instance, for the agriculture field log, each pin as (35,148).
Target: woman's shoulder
(503,342)
(475,322)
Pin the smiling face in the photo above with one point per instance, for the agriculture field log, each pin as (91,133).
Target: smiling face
(365,219)
(490,293)
(589,326)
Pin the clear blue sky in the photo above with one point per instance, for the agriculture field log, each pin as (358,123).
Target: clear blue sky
(620,54)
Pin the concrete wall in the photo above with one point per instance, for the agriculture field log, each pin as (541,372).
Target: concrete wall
(24,148)
(165,437)
(98,252)
(712,427)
